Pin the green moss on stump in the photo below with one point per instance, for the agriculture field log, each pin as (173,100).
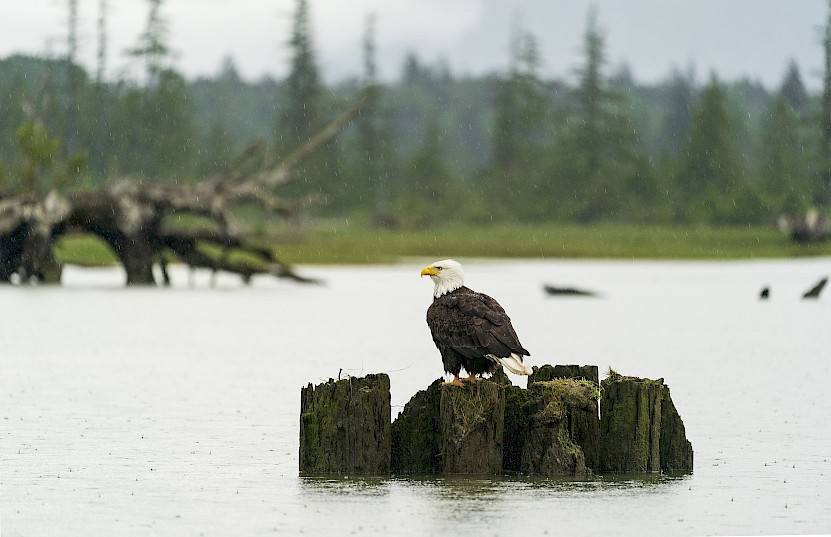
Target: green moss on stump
(551,372)
(638,418)
(471,428)
(549,448)
(345,427)
(582,421)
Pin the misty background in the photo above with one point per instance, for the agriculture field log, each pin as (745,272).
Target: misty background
(655,112)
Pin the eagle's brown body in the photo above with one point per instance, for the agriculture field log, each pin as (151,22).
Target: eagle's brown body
(466,327)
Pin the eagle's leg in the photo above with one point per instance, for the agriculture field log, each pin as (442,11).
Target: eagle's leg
(455,382)
(470,378)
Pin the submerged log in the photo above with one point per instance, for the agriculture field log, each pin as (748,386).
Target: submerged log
(554,290)
(345,427)
(815,291)
(640,429)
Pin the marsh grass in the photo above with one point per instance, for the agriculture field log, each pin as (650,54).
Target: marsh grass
(338,242)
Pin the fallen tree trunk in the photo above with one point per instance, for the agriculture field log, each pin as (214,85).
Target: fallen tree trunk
(134,217)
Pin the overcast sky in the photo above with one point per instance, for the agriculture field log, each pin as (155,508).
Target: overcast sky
(736,38)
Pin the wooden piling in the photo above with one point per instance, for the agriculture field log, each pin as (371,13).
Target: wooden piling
(471,428)
(640,428)
(489,427)
(550,448)
(345,427)
(582,421)
(415,434)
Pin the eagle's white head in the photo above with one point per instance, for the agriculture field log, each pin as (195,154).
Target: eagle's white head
(448,275)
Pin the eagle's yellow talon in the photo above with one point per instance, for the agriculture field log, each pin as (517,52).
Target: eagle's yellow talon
(455,382)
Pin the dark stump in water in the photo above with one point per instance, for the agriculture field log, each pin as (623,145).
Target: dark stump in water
(471,428)
(640,429)
(550,448)
(415,434)
(345,427)
(582,420)
(520,405)
(489,427)
(451,430)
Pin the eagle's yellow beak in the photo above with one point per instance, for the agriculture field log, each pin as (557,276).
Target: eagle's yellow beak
(429,271)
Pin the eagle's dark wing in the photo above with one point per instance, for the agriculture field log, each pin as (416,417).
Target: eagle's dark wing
(472,324)
(501,327)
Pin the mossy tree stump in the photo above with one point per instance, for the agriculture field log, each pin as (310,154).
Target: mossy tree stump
(549,448)
(415,434)
(551,372)
(345,427)
(489,426)
(520,405)
(640,428)
(451,430)
(471,428)
(675,450)
(582,421)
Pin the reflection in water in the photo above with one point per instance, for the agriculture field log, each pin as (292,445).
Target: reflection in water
(456,488)
(344,486)
(476,504)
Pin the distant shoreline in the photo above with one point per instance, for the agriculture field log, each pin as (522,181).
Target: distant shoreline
(341,242)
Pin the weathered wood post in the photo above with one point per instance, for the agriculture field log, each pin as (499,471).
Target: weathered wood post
(582,422)
(549,447)
(520,405)
(675,450)
(415,434)
(471,428)
(451,430)
(640,428)
(345,427)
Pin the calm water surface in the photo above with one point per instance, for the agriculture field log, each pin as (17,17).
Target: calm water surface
(175,412)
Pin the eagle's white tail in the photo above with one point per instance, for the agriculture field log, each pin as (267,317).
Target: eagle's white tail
(513,363)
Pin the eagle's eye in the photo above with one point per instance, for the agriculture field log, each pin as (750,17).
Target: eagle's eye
(439,268)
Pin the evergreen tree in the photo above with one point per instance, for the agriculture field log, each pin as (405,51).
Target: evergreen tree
(519,133)
(784,175)
(825,121)
(520,105)
(217,152)
(100,144)
(429,187)
(160,141)
(72,81)
(597,169)
(372,135)
(793,90)
(300,116)
(711,169)
(152,47)
(677,123)
(592,95)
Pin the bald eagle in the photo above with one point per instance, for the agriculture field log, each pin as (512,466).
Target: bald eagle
(470,329)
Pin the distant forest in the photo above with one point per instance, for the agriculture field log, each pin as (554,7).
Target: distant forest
(433,148)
